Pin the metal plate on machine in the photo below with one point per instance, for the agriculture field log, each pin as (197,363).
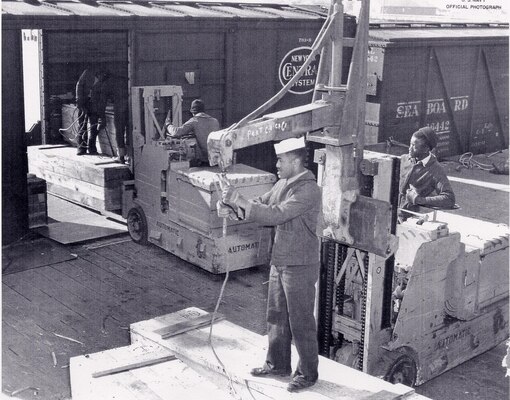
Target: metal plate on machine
(239,175)
(370,224)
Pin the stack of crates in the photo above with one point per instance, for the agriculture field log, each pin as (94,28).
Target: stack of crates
(37,201)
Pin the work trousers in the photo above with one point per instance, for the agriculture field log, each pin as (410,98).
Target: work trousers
(88,131)
(290,316)
(120,120)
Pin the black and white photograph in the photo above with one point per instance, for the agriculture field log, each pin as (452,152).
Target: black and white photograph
(255,200)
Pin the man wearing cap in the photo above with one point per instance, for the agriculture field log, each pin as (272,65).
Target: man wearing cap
(292,207)
(200,125)
(423,181)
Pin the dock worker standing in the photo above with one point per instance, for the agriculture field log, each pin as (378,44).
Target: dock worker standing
(118,92)
(200,125)
(91,102)
(423,181)
(292,206)
(83,91)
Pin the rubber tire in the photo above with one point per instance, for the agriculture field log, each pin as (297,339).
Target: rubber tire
(137,225)
(403,370)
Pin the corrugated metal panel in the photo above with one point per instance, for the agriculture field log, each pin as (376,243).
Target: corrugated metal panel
(194,12)
(424,34)
(245,12)
(90,9)
(22,9)
(154,9)
(287,12)
(148,10)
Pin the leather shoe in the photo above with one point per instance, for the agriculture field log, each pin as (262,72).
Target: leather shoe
(299,382)
(262,371)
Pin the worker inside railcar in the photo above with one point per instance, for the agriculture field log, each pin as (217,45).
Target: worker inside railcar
(423,181)
(91,103)
(199,126)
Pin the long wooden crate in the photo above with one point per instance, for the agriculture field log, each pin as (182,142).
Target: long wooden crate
(239,350)
(197,373)
(92,180)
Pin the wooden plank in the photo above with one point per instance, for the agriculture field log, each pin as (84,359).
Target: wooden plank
(383,395)
(133,365)
(84,199)
(240,350)
(185,326)
(111,193)
(348,326)
(90,169)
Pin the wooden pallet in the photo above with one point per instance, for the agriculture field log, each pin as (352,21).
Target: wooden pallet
(238,350)
(94,181)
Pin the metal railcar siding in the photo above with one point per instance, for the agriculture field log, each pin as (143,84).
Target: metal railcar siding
(444,79)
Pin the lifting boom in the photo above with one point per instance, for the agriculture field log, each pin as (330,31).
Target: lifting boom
(336,119)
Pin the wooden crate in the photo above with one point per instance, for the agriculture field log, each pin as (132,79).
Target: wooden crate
(245,245)
(240,350)
(197,373)
(193,194)
(94,181)
(37,201)
(481,276)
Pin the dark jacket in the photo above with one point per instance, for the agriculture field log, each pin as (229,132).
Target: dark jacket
(430,182)
(200,125)
(293,208)
(84,87)
(98,99)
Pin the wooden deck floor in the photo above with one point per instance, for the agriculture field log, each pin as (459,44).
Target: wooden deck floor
(95,297)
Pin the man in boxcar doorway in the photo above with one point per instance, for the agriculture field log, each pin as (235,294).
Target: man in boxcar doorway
(118,92)
(200,125)
(91,103)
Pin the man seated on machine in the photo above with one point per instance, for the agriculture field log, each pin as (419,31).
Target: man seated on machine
(423,181)
(199,126)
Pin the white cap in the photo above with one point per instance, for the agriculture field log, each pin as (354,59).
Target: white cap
(289,144)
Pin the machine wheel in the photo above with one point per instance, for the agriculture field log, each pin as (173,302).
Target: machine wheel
(403,371)
(137,225)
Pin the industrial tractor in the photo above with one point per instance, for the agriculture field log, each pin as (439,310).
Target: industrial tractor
(173,205)
(404,301)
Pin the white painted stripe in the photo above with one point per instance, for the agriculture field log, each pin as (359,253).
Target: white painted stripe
(488,185)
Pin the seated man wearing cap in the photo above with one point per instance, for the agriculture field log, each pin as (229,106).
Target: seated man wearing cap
(423,181)
(292,206)
(200,125)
